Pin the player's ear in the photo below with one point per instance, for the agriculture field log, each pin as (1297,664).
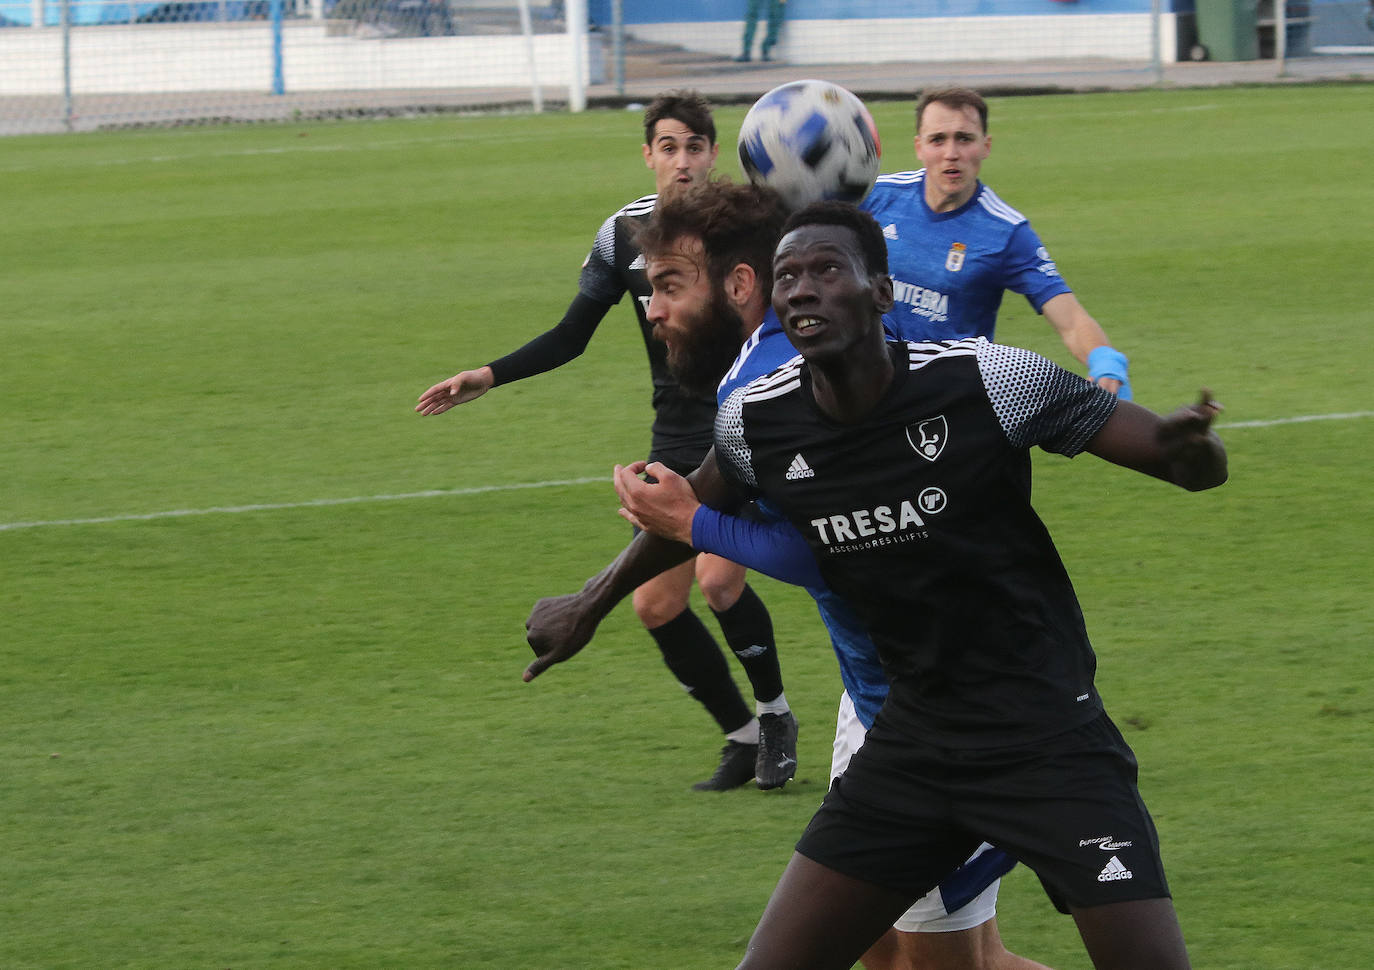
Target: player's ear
(648,156)
(740,284)
(882,292)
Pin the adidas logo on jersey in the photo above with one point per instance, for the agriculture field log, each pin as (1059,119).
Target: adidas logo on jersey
(890,231)
(1114,871)
(799,469)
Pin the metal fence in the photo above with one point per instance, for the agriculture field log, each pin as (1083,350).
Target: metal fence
(73,65)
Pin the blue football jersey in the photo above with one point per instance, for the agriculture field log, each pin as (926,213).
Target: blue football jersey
(950,269)
(765,351)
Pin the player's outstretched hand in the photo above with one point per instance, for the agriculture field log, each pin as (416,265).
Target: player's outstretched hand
(664,508)
(458,389)
(1191,447)
(558,627)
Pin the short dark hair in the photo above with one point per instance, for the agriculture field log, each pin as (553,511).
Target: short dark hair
(737,223)
(830,213)
(953,97)
(688,107)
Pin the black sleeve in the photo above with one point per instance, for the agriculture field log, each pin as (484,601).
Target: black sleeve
(555,347)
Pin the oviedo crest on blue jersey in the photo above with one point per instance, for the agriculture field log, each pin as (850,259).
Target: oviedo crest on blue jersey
(954,259)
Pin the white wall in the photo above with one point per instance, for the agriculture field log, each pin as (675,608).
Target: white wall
(935,39)
(164,58)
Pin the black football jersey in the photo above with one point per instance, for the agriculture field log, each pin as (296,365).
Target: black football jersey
(682,422)
(920,517)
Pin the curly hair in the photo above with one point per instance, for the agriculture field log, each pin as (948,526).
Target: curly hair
(737,223)
(688,107)
(831,213)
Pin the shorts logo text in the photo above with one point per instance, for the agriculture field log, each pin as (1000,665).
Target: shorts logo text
(1114,871)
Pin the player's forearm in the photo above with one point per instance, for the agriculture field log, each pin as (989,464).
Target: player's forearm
(1076,327)
(1082,335)
(775,548)
(644,558)
(555,347)
(1180,449)
(1086,340)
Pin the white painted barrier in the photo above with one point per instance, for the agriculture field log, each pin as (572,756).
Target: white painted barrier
(169,58)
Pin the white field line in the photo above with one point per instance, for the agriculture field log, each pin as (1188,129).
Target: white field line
(511,487)
(1301,419)
(457,140)
(312,503)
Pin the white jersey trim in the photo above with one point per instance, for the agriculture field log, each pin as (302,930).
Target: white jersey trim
(640,206)
(920,353)
(604,244)
(781,381)
(750,344)
(901,178)
(995,207)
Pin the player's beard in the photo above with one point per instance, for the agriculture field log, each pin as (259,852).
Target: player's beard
(709,343)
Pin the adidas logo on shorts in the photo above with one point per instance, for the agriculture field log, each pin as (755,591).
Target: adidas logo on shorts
(1114,871)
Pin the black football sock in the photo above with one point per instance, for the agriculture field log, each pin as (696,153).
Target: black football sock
(748,630)
(696,661)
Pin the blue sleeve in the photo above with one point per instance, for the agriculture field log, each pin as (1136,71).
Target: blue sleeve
(775,548)
(1028,269)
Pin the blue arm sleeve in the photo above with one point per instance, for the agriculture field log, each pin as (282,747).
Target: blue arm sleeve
(775,548)
(1110,362)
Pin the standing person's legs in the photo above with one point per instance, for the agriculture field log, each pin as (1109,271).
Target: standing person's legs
(748,631)
(1139,935)
(977,948)
(747,627)
(695,659)
(820,919)
(776,8)
(930,936)
(1069,808)
(752,9)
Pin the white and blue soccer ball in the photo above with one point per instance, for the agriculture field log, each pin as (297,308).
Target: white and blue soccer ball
(810,140)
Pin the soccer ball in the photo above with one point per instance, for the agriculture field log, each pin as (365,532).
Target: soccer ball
(810,140)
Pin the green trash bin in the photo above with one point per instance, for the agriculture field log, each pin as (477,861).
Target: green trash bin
(1227,30)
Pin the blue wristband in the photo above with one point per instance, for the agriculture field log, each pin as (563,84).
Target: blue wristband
(1111,363)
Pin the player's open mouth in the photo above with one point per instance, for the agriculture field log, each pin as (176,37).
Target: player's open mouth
(805,325)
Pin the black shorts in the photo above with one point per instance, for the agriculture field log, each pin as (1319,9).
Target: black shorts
(679,464)
(682,460)
(904,815)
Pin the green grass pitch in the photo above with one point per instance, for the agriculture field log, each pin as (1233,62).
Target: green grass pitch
(296,736)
